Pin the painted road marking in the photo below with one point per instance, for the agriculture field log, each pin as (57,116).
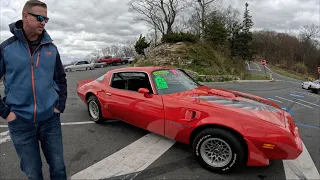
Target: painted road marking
(275,100)
(137,156)
(248,66)
(257,66)
(133,158)
(301,168)
(252,69)
(71,123)
(296,95)
(306,125)
(308,102)
(305,93)
(294,102)
(4,137)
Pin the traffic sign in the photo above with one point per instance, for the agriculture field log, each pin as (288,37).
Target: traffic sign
(263,62)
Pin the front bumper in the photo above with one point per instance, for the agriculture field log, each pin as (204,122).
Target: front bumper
(287,145)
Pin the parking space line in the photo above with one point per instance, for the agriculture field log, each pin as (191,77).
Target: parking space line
(4,137)
(135,157)
(308,102)
(275,100)
(294,102)
(309,94)
(303,167)
(71,123)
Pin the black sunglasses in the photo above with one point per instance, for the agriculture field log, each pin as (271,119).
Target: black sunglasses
(40,18)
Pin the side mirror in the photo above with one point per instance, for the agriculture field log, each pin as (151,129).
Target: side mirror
(145,91)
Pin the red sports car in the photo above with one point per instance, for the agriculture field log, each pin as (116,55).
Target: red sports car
(226,129)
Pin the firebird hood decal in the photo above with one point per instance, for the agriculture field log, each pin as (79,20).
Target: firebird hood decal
(243,103)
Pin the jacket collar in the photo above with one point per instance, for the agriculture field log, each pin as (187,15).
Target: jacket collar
(16,30)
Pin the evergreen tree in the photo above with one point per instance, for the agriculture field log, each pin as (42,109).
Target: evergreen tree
(247,49)
(141,45)
(215,30)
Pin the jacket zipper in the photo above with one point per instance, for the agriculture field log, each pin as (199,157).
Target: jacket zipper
(32,76)
(38,59)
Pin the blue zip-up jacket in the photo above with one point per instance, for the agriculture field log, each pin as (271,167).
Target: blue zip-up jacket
(34,83)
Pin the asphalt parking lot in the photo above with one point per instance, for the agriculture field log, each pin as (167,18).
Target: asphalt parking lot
(87,143)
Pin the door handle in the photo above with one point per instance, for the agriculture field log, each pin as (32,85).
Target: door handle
(107,93)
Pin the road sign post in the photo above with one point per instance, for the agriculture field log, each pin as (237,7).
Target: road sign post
(263,62)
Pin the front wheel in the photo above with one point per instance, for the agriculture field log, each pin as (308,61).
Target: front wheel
(218,150)
(94,110)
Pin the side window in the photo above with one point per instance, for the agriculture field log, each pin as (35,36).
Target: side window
(137,80)
(118,82)
(131,81)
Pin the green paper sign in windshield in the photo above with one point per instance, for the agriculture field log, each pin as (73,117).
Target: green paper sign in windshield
(161,82)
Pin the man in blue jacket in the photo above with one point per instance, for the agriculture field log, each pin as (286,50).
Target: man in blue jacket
(35,92)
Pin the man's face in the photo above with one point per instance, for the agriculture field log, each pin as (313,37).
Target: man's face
(31,21)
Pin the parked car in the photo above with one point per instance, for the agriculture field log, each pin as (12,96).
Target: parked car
(100,65)
(307,85)
(80,65)
(315,87)
(226,129)
(128,60)
(110,60)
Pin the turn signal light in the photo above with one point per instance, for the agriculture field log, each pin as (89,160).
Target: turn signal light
(268,146)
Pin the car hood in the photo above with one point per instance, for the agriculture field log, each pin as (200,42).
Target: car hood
(239,102)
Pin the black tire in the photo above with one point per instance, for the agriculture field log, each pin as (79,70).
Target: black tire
(99,119)
(114,63)
(238,149)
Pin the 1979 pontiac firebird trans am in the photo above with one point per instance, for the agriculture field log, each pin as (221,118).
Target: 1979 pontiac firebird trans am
(226,129)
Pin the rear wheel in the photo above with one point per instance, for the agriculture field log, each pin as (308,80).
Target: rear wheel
(114,63)
(94,110)
(218,150)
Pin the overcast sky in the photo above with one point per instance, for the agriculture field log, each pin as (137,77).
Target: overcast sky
(79,26)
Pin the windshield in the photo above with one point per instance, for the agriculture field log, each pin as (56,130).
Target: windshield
(172,81)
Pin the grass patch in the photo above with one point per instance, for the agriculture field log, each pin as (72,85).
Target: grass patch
(288,73)
(255,77)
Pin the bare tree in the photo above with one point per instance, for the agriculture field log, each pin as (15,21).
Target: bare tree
(308,36)
(202,10)
(310,31)
(106,51)
(95,54)
(160,14)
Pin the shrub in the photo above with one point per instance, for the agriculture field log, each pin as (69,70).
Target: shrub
(179,37)
(300,68)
